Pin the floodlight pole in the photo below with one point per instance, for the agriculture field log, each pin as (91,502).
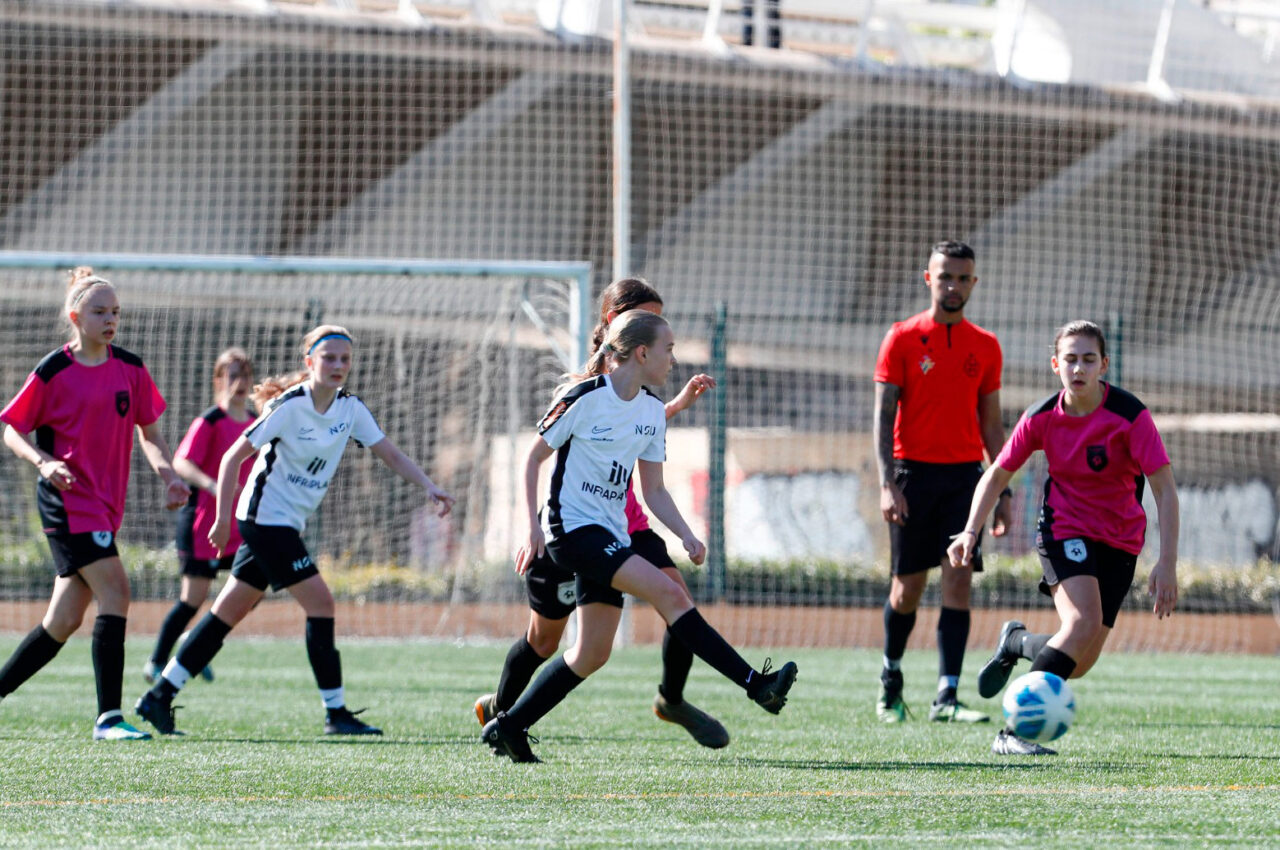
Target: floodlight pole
(621,144)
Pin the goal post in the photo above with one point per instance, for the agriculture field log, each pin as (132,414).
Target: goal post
(456,359)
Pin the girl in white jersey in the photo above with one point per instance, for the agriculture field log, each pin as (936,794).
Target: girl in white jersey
(84,401)
(300,438)
(600,429)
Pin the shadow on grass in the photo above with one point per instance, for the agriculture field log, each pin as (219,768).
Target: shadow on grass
(819,764)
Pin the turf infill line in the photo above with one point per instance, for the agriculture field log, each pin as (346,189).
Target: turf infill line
(725,795)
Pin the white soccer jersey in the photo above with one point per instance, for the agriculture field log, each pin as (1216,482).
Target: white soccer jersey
(301,454)
(598,438)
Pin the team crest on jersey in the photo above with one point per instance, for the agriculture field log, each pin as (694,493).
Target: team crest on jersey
(1075,550)
(102,539)
(122,402)
(971,366)
(567,592)
(1096,457)
(926,363)
(552,415)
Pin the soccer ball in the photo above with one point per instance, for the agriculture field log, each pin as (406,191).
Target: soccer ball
(1039,706)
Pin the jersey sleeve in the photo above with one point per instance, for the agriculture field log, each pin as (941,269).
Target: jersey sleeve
(195,444)
(150,404)
(656,450)
(1024,440)
(24,411)
(556,427)
(270,425)
(1145,444)
(995,366)
(364,428)
(889,366)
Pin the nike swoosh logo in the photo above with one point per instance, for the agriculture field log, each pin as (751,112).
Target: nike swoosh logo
(598,430)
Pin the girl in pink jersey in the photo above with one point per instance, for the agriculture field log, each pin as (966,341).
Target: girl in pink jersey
(1100,443)
(553,592)
(84,402)
(201,450)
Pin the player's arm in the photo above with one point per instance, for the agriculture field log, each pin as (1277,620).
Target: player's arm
(536,542)
(156,449)
(404,466)
(1163,583)
(893,505)
(51,469)
(658,498)
(697,385)
(995,479)
(992,429)
(193,474)
(228,477)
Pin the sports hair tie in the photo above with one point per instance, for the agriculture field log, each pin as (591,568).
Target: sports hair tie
(92,281)
(328,336)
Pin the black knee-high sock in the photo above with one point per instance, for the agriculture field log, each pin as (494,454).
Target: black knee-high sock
(897,628)
(1054,661)
(326,662)
(196,653)
(1026,645)
(706,643)
(36,650)
(522,662)
(953,635)
(550,688)
(171,629)
(108,660)
(677,660)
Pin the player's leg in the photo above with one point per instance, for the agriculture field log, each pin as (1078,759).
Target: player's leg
(107,580)
(953,637)
(67,606)
(196,578)
(673,603)
(905,590)
(670,704)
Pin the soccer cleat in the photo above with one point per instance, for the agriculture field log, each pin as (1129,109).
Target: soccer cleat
(505,741)
(771,694)
(947,709)
(890,707)
(704,728)
(995,672)
(158,712)
(151,671)
(341,721)
(1009,744)
(112,726)
(486,708)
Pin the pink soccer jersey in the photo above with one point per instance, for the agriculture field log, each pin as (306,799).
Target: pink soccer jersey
(85,416)
(207,440)
(636,518)
(1097,467)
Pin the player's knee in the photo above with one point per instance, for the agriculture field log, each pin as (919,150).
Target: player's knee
(1084,626)
(544,642)
(586,660)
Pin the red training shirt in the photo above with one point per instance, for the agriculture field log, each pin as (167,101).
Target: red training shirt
(942,371)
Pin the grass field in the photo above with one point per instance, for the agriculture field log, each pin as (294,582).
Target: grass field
(1167,750)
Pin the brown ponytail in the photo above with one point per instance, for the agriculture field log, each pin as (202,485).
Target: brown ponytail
(618,297)
(624,335)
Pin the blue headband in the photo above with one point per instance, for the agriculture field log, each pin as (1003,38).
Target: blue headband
(327,336)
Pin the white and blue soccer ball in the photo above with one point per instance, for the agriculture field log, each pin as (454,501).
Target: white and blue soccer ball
(1039,706)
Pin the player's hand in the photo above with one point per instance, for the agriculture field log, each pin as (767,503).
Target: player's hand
(531,550)
(696,386)
(1162,587)
(219,534)
(893,505)
(960,552)
(446,501)
(176,494)
(1002,517)
(58,474)
(696,548)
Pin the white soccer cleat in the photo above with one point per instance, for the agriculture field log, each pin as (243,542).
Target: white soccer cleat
(112,726)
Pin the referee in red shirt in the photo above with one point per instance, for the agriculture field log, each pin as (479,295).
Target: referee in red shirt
(937,414)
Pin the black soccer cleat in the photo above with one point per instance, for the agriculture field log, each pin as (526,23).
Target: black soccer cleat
(995,672)
(1009,744)
(505,741)
(704,728)
(341,721)
(159,712)
(771,693)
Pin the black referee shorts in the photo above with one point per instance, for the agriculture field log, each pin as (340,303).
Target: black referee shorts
(938,498)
